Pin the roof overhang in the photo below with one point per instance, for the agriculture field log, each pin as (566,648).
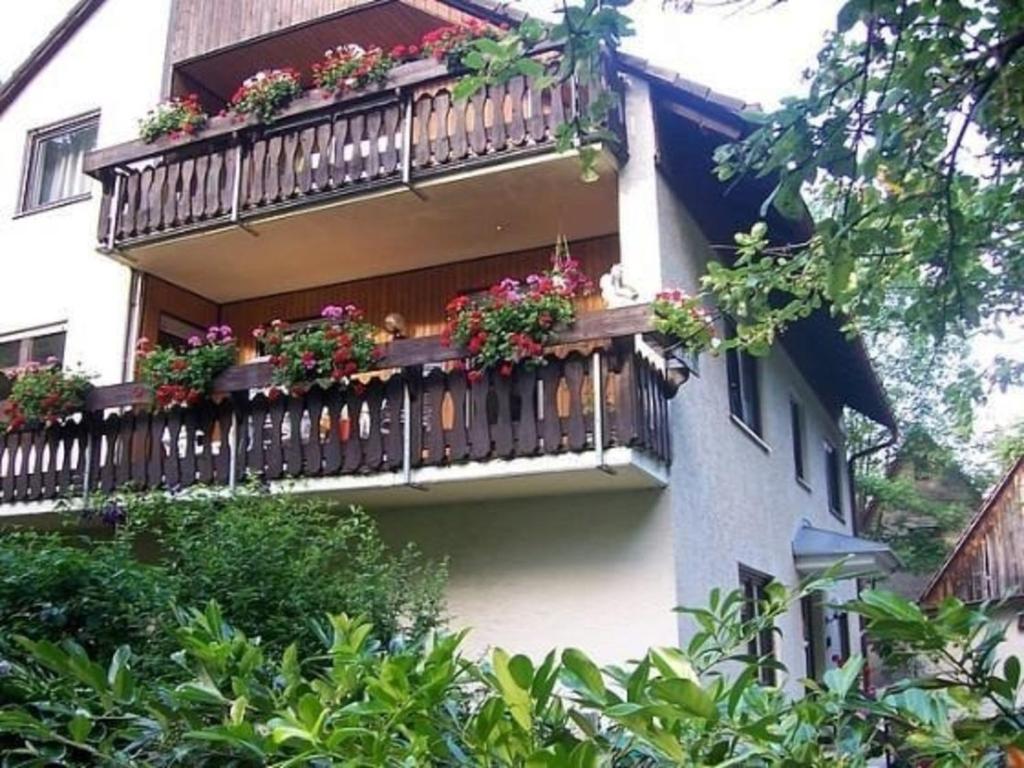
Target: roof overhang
(817,551)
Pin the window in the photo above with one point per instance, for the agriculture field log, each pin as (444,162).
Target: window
(753,585)
(807,613)
(175,333)
(53,165)
(843,621)
(20,350)
(744,394)
(796,420)
(835,497)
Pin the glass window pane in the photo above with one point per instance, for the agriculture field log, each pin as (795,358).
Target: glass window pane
(46,347)
(57,167)
(9,354)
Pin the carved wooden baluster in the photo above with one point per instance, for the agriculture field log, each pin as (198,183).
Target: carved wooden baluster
(275,450)
(213,183)
(157,192)
(188,168)
(222,462)
(643,401)
(108,460)
(258,173)
(414,379)
(337,153)
(478,134)
(189,462)
(227,185)
(551,425)
(459,141)
(272,177)
(312,454)
(373,123)
(576,424)
(204,459)
(170,208)
(353,445)
(131,202)
(322,174)
(496,134)
(526,427)
(442,104)
(389,157)
(140,450)
(433,405)
(501,432)
(155,465)
(69,438)
(304,175)
(421,154)
(458,438)
(356,126)
(123,468)
(289,160)
(256,459)
(535,122)
(393,391)
(516,124)
(373,446)
(172,463)
(23,442)
(625,396)
(479,428)
(35,485)
(8,457)
(293,448)
(106,201)
(199,187)
(142,217)
(335,399)
(53,443)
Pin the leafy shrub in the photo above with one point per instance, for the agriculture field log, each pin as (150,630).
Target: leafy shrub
(185,377)
(273,562)
(355,703)
(43,394)
(276,562)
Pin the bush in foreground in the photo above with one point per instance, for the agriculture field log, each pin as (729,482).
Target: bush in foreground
(356,704)
(273,562)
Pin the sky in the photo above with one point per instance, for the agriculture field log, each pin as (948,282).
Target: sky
(755,55)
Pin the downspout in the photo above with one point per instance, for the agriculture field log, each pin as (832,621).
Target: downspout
(131,335)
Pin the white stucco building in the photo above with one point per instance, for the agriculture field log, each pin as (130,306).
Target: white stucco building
(565,523)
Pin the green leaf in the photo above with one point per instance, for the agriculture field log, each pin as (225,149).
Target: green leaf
(686,695)
(516,695)
(583,676)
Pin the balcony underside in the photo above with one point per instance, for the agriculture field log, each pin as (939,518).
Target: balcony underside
(452,217)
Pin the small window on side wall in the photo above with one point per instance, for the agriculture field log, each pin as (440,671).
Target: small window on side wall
(19,351)
(796,419)
(754,585)
(832,481)
(53,163)
(744,385)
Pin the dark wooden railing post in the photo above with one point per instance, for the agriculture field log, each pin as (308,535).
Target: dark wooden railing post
(626,395)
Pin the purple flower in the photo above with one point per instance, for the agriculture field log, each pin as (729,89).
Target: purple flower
(332,312)
(195,341)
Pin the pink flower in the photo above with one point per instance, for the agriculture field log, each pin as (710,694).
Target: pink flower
(195,341)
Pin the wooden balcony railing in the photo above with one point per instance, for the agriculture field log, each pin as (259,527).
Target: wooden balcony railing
(598,395)
(322,149)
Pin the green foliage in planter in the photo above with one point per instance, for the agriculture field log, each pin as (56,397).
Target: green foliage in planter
(180,116)
(324,353)
(276,562)
(683,318)
(185,377)
(234,702)
(513,320)
(351,68)
(265,94)
(43,394)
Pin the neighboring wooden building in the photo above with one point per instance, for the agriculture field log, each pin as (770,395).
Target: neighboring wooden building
(578,502)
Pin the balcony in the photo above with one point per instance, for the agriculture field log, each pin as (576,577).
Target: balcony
(413,432)
(215,212)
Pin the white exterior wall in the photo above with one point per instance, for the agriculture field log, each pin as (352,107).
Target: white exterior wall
(52,272)
(733,499)
(593,572)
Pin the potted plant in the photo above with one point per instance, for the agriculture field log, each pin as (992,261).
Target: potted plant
(450,43)
(185,377)
(43,394)
(331,351)
(686,323)
(265,94)
(513,321)
(180,116)
(351,68)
